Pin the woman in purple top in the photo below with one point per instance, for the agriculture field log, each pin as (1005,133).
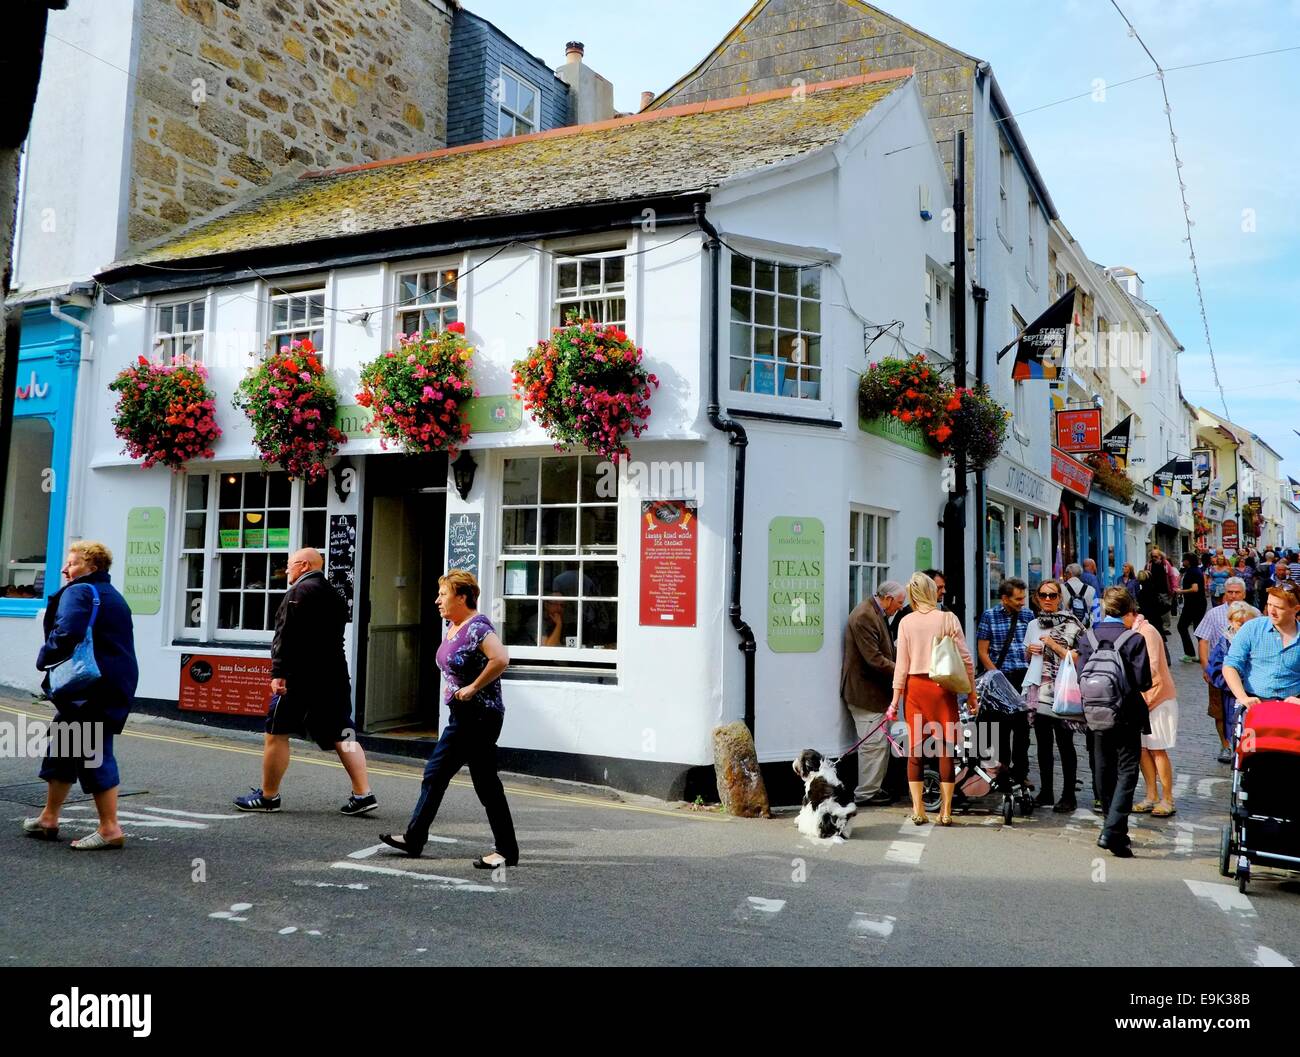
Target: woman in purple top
(472,659)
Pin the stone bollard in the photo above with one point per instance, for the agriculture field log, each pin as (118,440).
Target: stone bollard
(740,782)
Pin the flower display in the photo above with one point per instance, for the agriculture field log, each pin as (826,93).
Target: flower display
(587,386)
(291,402)
(165,412)
(1110,478)
(977,427)
(417,392)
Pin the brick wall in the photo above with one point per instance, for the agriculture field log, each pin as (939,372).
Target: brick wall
(230,93)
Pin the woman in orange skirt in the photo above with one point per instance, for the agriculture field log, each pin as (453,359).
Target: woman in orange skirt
(931,711)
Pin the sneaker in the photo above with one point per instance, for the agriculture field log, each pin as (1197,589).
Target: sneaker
(1191,660)
(257,801)
(1225,756)
(359,805)
(878,799)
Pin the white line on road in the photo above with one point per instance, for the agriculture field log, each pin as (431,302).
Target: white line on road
(1268,958)
(1224,896)
(455,884)
(767,906)
(1205,787)
(365,853)
(185,814)
(906,852)
(864,926)
(288,930)
(1181,782)
(134,819)
(911,829)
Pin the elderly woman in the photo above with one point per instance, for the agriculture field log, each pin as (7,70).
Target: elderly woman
(96,713)
(1239,613)
(1048,640)
(931,710)
(472,659)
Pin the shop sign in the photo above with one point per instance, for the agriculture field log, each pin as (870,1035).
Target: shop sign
(924,553)
(33,390)
(494,414)
(670,533)
(142,573)
(796,584)
(1070,473)
(1029,489)
(889,428)
(1079,431)
(352,419)
(342,556)
(238,686)
(1230,539)
(463,535)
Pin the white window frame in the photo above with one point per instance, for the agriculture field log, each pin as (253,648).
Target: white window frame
(1005,170)
(595,661)
(163,343)
(776,401)
(455,307)
(207,630)
(305,288)
(602,293)
(515,115)
(867,574)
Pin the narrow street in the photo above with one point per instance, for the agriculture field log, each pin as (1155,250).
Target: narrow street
(608,880)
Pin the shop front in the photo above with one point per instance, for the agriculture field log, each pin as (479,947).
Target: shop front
(1018,524)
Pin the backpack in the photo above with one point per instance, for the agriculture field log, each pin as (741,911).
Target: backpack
(1078,604)
(1104,682)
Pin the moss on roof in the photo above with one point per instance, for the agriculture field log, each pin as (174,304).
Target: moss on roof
(668,152)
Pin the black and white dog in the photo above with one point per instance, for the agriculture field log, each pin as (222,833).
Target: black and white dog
(828,808)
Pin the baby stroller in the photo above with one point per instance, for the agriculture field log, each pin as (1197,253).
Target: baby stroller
(976,777)
(1265,808)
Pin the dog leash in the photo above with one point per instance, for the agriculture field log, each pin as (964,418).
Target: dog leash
(888,737)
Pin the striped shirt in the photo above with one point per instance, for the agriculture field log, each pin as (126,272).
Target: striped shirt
(1268,670)
(1212,626)
(994,627)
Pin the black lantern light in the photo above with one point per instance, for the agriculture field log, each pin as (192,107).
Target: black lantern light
(463,471)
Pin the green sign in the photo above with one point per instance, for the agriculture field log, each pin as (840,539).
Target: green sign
(228,538)
(351,420)
(924,553)
(891,429)
(146,529)
(494,414)
(277,539)
(255,538)
(796,584)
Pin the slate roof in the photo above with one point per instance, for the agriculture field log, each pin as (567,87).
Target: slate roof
(664,152)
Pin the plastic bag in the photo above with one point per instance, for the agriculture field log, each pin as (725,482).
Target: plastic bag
(996,694)
(1066,698)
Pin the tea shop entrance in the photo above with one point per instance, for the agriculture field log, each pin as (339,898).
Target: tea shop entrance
(397,621)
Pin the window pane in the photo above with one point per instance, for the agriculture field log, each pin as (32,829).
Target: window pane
(228,610)
(279,313)
(882,545)
(559,624)
(254,491)
(255,570)
(277,490)
(559,480)
(764,275)
(810,319)
(519,530)
(739,376)
(194,572)
(559,529)
(853,537)
(313,530)
(742,305)
(195,530)
(228,497)
(528,104)
(742,337)
(521,623)
(568,277)
(316,493)
(599,527)
(600,579)
(765,378)
(810,283)
(590,275)
(788,280)
(764,309)
(408,287)
(764,343)
(520,478)
(165,320)
(279,572)
(521,579)
(254,611)
(193,617)
(232,571)
(273,603)
(599,625)
(196,315)
(787,313)
(810,384)
(562,578)
(742,270)
(599,480)
(614,271)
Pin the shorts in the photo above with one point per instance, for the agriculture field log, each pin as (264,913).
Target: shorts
(81,752)
(1216,703)
(296,715)
(1164,726)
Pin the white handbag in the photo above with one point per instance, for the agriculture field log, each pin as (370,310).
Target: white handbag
(947,668)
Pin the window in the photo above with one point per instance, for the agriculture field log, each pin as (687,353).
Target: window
(178,329)
(24,539)
(559,542)
(519,103)
(776,328)
(868,555)
(428,300)
(1031,225)
(592,287)
(1004,192)
(298,316)
(935,320)
(238,532)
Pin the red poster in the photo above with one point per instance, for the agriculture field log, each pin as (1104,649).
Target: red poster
(1078,431)
(1230,539)
(236,685)
(669,538)
(1071,473)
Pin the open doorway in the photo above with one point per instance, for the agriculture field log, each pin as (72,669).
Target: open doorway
(406,514)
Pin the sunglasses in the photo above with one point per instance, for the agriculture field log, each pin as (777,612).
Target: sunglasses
(1049,594)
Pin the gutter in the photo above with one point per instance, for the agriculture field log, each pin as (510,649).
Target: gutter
(740,441)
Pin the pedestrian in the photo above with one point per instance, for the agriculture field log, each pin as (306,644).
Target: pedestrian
(1117,752)
(310,687)
(1239,614)
(86,721)
(1209,631)
(1051,637)
(1263,578)
(1090,577)
(1000,641)
(1246,569)
(1219,573)
(939,582)
(1162,717)
(1079,598)
(931,711)
(1192,592)
(1264,661)
(472,659)
(866,686)
(1152,603)
(1128,580)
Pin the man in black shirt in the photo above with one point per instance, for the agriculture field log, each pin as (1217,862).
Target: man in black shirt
(311,688)
(1193,595)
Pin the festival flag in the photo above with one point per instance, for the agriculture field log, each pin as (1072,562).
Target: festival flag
(1183,474)
(1162,481)
(1116,442)
(1041,348)
(1295,490)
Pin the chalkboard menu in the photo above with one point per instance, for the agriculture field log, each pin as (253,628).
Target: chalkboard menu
(463,536)
(343,555)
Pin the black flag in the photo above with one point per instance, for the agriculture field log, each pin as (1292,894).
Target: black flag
(1116,442)
(1040,350)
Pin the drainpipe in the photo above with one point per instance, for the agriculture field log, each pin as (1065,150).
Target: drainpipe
(981,296)
(740,441)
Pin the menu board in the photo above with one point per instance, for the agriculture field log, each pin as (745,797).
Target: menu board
(239,686)
(463,536)
(796,584)
(670,532)
(343,556)
(145,540)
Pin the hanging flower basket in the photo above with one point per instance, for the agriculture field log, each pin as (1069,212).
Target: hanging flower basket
(165,412)
(586,386)
(975,425)
(417,392)
(291,402)
(1201,524)
(1110,479)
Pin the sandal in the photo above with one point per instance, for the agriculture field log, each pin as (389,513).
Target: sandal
(1143,807)
(1163,811)
(98,842)
(920,820)
(945,820)
(33,828)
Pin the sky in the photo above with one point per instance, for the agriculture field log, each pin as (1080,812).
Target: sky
(1108,163)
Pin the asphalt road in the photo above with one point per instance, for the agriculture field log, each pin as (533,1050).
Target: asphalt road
(611,880)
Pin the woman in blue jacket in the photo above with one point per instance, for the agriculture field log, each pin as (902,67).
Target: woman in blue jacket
(81,738)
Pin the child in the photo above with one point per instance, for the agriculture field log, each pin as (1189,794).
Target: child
(1238,614)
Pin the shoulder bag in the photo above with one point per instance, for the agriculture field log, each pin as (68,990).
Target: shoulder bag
(947,668)
(72,677)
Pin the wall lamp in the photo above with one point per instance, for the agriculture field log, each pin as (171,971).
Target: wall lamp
(462,470)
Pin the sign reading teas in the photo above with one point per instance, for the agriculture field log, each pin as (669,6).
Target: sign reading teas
(142,579)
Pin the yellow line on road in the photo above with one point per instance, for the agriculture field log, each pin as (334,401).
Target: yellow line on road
(412,773)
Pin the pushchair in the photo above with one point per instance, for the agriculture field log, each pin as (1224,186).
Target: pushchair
(975,776)
(1264,825)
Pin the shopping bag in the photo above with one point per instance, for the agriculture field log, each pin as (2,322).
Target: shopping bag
(947,668)
(1066,698)
(74,676)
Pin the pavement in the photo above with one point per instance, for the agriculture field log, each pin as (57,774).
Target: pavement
(610,879)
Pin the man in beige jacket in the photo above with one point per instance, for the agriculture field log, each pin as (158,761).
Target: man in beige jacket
(866,685)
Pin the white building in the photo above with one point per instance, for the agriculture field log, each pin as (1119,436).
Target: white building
(821,240)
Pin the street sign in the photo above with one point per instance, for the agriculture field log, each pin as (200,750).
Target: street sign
(1079,431)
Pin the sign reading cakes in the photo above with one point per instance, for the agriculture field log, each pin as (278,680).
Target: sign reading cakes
(142,575)
(236,686)
(669,543)
(796,584)
(343,556)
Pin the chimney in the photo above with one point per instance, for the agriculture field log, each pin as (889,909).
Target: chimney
(574,51)
(591,97)
(646,99)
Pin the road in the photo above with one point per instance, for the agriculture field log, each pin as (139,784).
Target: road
(610,880)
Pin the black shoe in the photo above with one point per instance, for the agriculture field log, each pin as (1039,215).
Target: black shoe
(1120,851)
(399,842)
(877,799)
(359,805)
(1225,756)
(479,864)
(1067,805)
(1044,799)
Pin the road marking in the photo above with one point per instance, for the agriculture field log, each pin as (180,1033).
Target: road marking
(767,906)
(911,829)
(185,814)
(134,819)
(889,887)
(1268,958)
(905,852)
(864,926)
(1205,787)
(288,930)
(1181,782)
(451,884)
(1224,896)
(233,913)
(1185,842)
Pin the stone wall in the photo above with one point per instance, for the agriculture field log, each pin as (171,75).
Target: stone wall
(231,93)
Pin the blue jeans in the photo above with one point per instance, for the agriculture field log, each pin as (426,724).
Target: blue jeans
(470,737)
